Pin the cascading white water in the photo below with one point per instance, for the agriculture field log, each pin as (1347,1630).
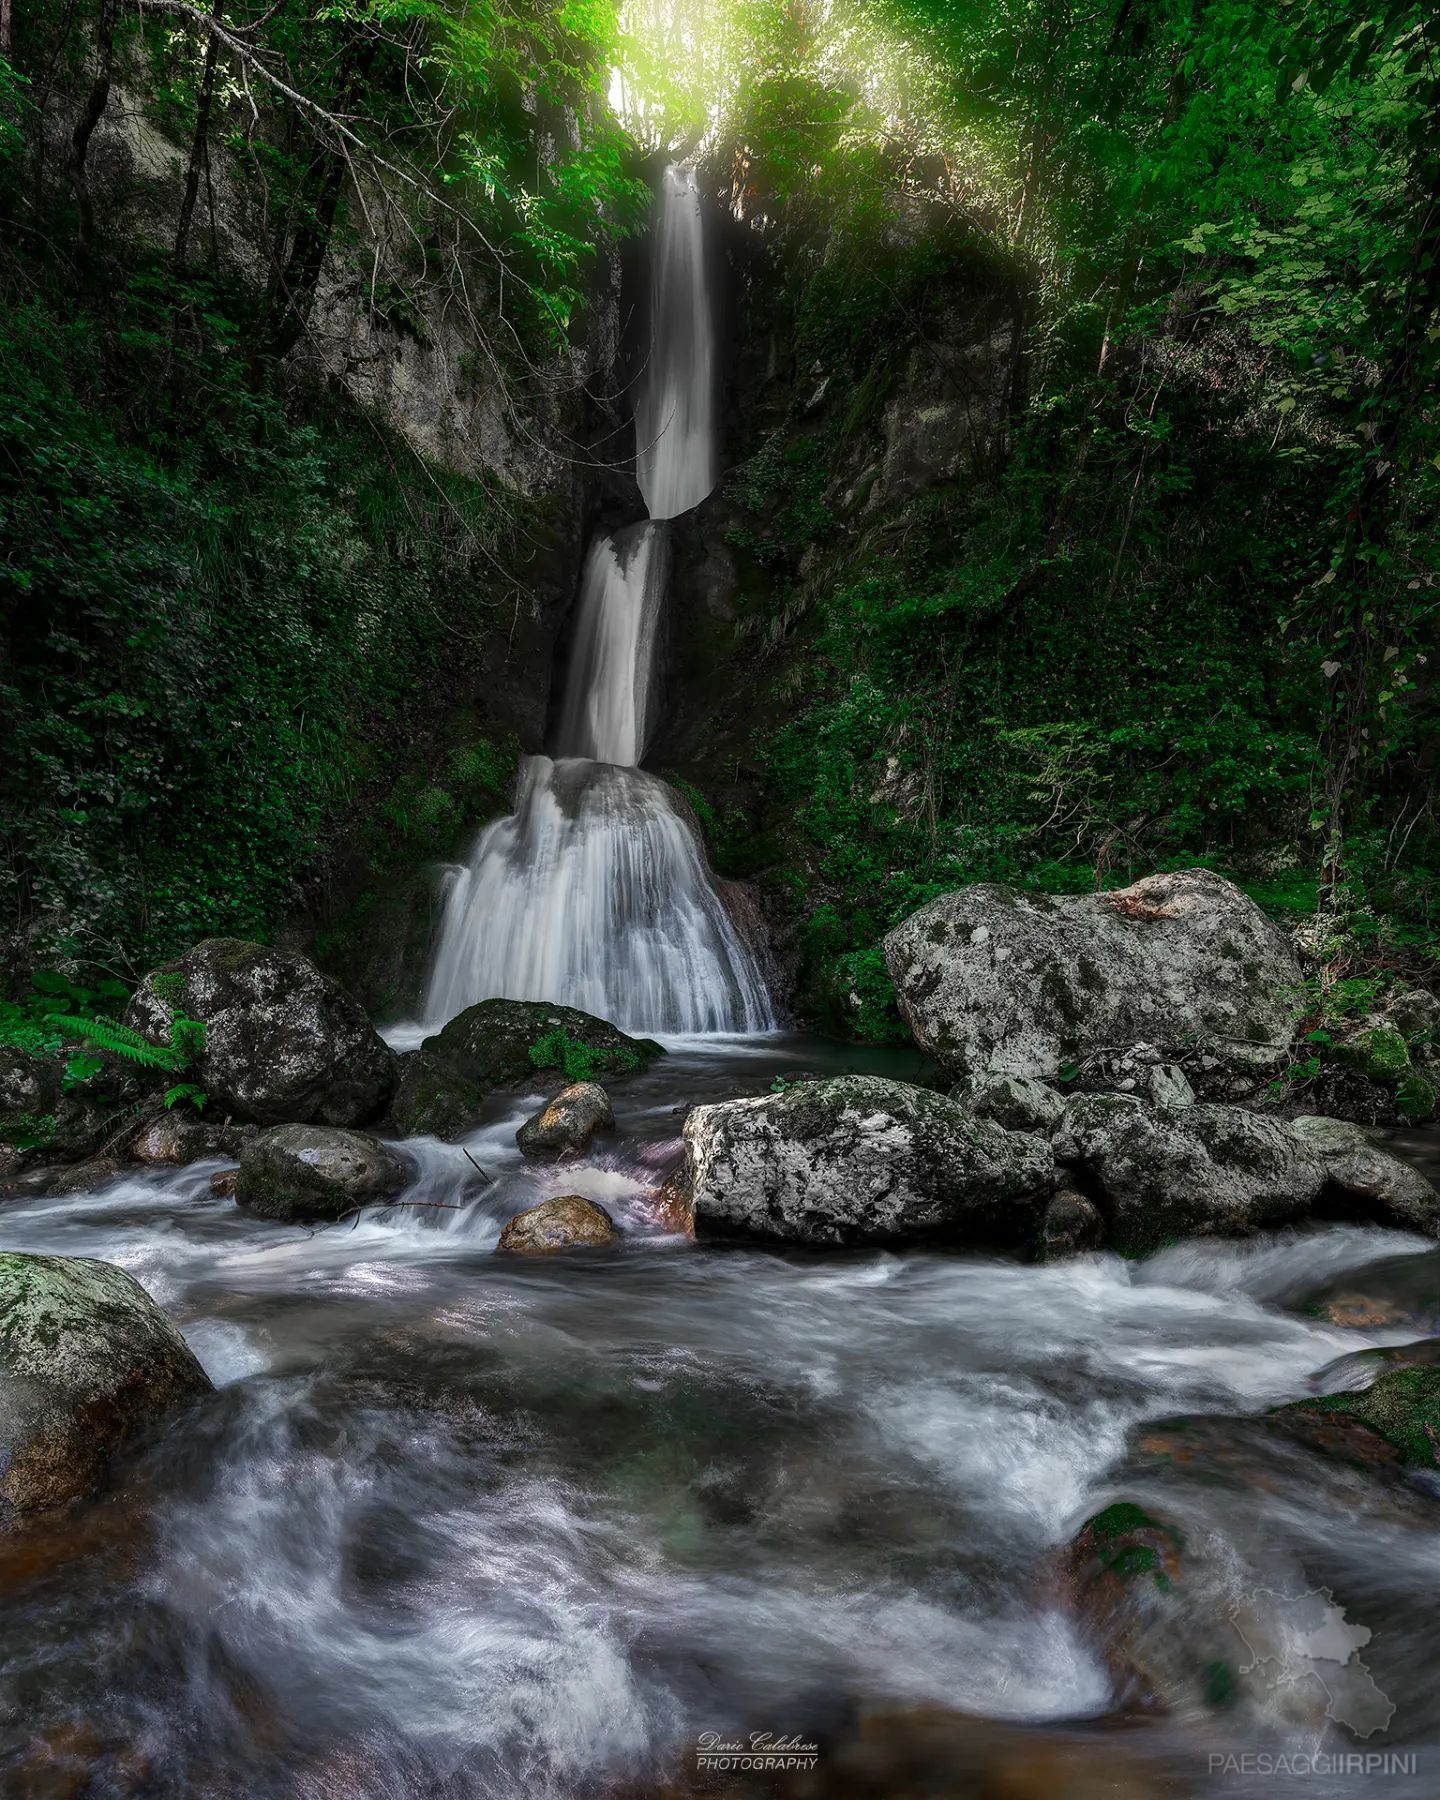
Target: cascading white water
(608,691)
(675,411)
(594,892)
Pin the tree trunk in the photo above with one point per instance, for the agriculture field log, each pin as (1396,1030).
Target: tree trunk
(90,116)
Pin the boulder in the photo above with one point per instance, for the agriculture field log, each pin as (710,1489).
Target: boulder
(175,1138)
(87,1362)
(567,1124)
(862,1160)
(283,1043)
(996,981)
(1016,1103)
(505,1044)
(40,1109)
(317,1172)
(564,1222)
(88,1177)
(1161,1174)
(1371,1182)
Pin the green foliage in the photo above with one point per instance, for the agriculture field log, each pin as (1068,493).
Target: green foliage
(579,1062)
(187,1040)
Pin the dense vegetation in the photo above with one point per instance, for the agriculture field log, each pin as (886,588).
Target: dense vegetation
(1181,605)
(1178,605)
(228,590)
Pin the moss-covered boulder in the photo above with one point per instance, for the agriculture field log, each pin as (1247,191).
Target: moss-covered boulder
(859,1159)
(997,981)
(46,1109)
(1401,1407)
(317,1172)
(87,1362)
(283,1043)
(500,1044)
(564,1222)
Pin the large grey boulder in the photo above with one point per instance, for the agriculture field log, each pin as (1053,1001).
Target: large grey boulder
(1373,1181)
(87,1361)
(500,1044)
(859,1159)
(567,1124)
(995,981)
(1165,1173)
(283,1043)
(316,1172)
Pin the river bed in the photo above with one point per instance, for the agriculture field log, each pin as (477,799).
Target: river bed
(463,1524)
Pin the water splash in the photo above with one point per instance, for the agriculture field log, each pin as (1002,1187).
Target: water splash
(594,893)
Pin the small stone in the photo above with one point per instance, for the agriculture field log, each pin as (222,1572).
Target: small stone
(1016,1102)
(564,1222)
(1072,1225)
(222,1183)
(84,1178)
(566,1125)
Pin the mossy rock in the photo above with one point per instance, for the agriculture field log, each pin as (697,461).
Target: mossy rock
(505,1043)
(1380,1054)
(87,1362)
(1402,1407)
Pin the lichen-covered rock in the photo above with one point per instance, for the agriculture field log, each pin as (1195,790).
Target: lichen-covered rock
(1016,1103)
(1374,1182)
(564,1222)
(504,1044)
(1178,1172)
(316,1172)
(860,1159)
(283,1043)
(1071,1226)
(566,1125)
(996,981)
(87,1361)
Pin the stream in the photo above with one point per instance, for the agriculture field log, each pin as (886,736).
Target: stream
(460,1523)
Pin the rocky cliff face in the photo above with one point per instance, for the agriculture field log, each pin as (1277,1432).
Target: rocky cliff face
(827,459)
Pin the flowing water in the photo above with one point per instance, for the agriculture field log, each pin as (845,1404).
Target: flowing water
(594,892)
(470,1525)
(465,1525)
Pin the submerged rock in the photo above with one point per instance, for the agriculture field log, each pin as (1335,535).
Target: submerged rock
(859,1159)
(564,1222)
(996,981)
(1180,1172)
(87,1361)
(506,1044)
(316,1172)
(84,1178)
(566,1125)
(283,1043)
(1400,1407)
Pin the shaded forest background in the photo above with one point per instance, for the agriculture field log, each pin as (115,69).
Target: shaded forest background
(309,382)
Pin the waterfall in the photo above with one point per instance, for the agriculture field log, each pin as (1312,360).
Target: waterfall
(594,891)
(675,409)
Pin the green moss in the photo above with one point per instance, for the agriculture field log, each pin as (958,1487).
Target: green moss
(1381,1054)
(1402,1407)
(578,1061)
(1123,1516)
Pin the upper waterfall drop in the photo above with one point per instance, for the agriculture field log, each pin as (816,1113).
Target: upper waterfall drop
(675,457)
(607,696)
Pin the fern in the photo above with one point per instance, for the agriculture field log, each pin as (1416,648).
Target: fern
(186,1090)
(186,1039)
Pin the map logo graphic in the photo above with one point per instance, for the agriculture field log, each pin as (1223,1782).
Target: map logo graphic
(1295,1639)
